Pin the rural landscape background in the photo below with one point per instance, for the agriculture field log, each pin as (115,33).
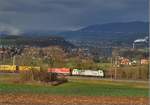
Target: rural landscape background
(73,52)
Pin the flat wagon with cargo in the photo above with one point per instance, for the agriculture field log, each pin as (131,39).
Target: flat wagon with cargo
(65,71)
(16,68)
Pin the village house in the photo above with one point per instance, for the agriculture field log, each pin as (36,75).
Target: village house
(144,61)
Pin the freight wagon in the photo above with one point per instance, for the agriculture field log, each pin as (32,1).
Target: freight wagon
(15,68)
(65,71)
(8,68)
(96,73)
(26,68)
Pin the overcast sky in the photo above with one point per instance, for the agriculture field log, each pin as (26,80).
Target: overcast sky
(68,14)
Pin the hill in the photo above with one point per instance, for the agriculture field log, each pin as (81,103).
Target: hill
(127,32)
(129,27)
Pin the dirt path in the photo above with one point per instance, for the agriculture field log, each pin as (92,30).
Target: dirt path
(30,99)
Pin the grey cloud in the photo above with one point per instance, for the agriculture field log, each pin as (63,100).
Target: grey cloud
(70,14)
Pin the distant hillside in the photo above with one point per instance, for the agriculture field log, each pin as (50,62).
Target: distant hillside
(112,31)
(120,31)
(37,41)
(130,27)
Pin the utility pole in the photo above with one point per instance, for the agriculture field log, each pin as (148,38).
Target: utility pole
(111,70)
(133,45)
(116,64)
(14,59)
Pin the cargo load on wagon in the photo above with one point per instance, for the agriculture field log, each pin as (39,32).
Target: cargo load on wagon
(8,68)
(16,68)
(65,71)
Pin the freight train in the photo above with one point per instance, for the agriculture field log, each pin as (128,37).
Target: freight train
(64,71)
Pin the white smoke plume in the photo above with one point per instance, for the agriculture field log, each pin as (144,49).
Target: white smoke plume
(141,40)
(9,30)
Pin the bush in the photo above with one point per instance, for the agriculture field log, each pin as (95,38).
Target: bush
(47,77)
(26,76)
(34,75)
(42,76)
(134,72)
(140,72)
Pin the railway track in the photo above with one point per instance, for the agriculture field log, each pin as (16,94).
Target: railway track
(90,78)
(105,79)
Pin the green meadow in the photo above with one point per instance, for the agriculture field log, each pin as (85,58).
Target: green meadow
(76,88)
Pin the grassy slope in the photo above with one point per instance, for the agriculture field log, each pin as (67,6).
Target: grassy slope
(76,88)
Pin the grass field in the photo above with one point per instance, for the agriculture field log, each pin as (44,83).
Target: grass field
(78,88)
